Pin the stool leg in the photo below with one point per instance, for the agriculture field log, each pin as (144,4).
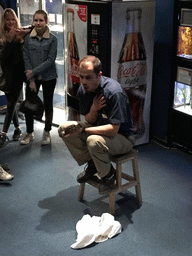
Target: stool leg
(119,174)
(112,203)
(81,191)
(136,176)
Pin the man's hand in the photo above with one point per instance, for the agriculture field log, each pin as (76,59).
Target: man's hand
(66,130)
(29,74)
(32,86)
(98,102)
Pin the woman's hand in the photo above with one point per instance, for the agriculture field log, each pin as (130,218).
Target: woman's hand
(22,32)
(32,86)
(10,35)
(29,74)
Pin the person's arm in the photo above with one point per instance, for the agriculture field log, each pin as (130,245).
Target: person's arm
(26,55)
(98,103)
(108,130)
(10,35)
(7,48)
(22,32)
(104,130)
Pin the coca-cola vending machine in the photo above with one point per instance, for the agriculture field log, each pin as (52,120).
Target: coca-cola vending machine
(121,35)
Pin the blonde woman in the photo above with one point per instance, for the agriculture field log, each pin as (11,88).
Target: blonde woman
(12,64)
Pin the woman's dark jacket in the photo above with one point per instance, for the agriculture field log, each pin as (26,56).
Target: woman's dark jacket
(12,64)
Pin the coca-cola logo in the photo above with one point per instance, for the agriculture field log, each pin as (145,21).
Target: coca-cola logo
(138,70)
(131,82)
(82,12)
(73,70)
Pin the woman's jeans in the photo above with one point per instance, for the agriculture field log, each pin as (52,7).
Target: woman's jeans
(11,114)
(48,92)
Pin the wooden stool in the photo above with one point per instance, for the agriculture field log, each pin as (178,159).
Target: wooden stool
(133,181)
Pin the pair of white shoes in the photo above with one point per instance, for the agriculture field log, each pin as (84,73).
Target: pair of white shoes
(46,139)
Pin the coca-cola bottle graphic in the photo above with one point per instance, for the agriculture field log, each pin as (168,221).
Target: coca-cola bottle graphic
(132,71)
(73,56)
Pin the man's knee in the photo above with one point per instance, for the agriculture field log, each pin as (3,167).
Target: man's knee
(63,126)
(96,143)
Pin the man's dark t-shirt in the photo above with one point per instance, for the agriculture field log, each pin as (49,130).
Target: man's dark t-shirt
(117,109)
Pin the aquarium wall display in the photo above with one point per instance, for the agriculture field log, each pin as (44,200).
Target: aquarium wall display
(183,91)
(183,98)
(181,112)
(184,42)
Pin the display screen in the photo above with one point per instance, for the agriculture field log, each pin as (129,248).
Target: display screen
(183,98)
(184,46)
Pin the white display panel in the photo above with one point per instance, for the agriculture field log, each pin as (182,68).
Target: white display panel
(119,23)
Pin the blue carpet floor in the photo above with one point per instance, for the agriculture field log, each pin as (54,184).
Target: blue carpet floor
(39,208)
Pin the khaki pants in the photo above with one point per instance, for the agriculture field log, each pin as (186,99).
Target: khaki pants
(85,147)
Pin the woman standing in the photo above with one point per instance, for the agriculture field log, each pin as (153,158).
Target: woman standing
(40,51)
(12,64)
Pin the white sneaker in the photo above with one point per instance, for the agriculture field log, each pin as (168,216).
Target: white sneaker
(28,137)
(5,176)
(46,139)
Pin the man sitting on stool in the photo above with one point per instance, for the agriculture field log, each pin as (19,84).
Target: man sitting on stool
(107,129)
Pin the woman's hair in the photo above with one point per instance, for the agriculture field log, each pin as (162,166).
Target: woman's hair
(96,63)
(42,12)
(7,11)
